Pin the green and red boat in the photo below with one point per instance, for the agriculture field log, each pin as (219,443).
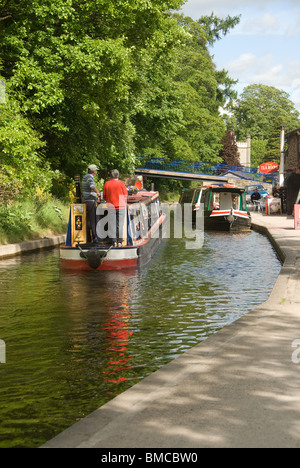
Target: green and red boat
(224,207)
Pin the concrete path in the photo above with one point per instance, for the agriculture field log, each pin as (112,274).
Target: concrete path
(239,388)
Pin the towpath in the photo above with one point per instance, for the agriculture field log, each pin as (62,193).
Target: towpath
(239,388)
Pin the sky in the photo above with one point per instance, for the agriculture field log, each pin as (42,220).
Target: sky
(263,48)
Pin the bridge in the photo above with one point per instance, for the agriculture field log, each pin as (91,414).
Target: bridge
(194,170)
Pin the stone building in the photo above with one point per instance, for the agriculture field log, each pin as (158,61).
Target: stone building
(244,149)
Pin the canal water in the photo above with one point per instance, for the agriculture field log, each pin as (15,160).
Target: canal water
(75,341)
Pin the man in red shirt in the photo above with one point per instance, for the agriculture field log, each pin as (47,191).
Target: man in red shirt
(116,194)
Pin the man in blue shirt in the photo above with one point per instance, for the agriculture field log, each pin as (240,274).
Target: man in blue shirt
(90,195)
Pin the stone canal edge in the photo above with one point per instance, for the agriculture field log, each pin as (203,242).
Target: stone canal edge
(13,250)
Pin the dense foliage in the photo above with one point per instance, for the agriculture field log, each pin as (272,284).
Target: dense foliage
(261,111)
(105,81)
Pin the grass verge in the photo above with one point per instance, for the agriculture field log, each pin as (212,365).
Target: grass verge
(32,219)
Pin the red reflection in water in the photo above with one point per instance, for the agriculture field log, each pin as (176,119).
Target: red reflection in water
(118,337)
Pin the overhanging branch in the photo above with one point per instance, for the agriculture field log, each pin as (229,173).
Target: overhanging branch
(5,17)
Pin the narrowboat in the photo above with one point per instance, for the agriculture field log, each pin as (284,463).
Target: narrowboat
(224,207)
(142,226)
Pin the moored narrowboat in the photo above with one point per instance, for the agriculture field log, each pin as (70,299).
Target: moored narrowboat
(142,225)
(224,207)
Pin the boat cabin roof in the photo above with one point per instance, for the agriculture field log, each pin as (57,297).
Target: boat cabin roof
(192,195)
(143,196)
(225,188)
(217,189)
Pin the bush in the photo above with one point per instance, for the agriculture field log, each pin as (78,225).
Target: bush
(32,219)
(9,188)
(16,223)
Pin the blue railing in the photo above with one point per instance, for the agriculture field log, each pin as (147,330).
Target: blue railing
(196,167)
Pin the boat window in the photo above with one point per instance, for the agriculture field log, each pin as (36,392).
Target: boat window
(236,201)
(154,214)
(187,196)
(208,200)
(242,203)
(216,201)
(197,195)
(136,222)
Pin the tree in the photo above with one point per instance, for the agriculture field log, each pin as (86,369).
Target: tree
(201,90)
(23,166)
(105,81)
(215,27)
(73,68)
(259,107)
(272,152)
(258,152)
(229,152)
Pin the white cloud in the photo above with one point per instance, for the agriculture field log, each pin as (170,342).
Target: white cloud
(291,28)
(249,69)
(198,8)
(253,69)
(263,47)
(281,23)
(257,17)
(248,64)
(273,76)
(265,24)
(295,97)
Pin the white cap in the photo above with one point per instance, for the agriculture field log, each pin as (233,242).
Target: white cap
(93,168)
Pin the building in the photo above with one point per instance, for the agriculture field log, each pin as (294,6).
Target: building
(292,157)
(244,149)
(292,169)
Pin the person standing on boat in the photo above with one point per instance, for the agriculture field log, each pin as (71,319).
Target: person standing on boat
(116,194)
(90,195)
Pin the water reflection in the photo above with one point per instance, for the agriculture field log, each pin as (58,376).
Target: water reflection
(75,340)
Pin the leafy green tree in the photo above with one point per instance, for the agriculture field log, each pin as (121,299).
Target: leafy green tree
(259,107)
(258,152)
(105,81)
(201,90)
(23,166)
(272,152)
(72,67)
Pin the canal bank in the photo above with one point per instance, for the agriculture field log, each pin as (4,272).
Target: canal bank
(12,250)
(239,388)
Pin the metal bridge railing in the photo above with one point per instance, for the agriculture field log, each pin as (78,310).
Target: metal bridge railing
(196,167)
